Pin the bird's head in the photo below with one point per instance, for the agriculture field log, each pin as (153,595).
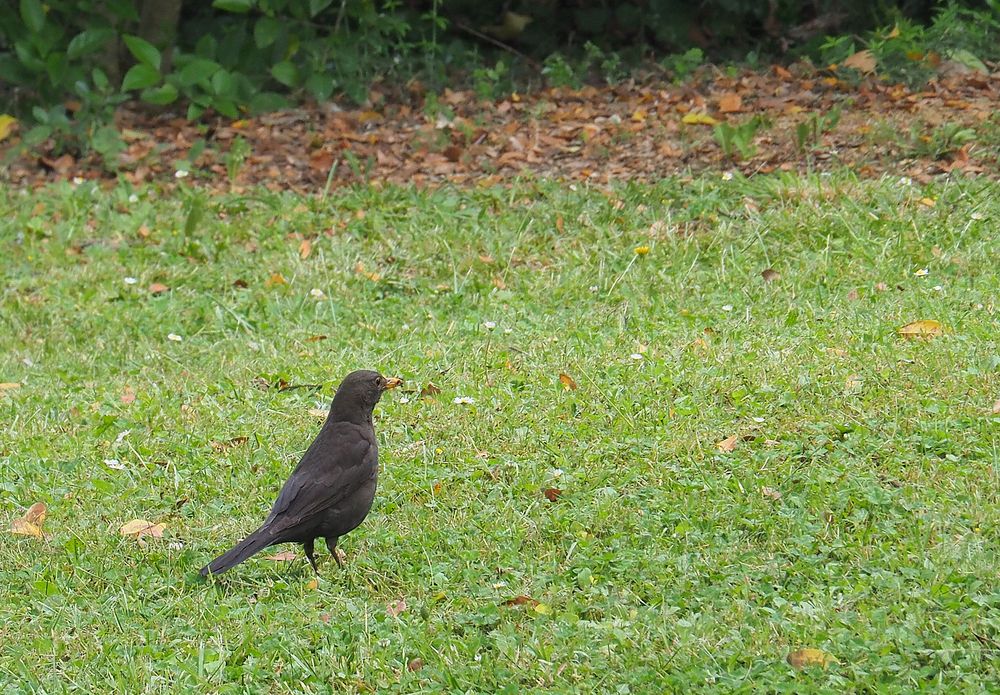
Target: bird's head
(360,391)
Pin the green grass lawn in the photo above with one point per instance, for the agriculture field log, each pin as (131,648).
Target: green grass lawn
(857,512)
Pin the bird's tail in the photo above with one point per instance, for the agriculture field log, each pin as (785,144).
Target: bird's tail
(251,545)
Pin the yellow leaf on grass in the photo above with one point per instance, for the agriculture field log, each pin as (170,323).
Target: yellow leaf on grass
(275,279)
(305,248)
(567,381)
(925,328)
(542,608)
(728,444)
(312,584)
(804,658)
(31,523)
(694,118)
(20,527)
(140,528)
(927,202)
(7,123)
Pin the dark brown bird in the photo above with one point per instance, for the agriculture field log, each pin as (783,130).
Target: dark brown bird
(331,490)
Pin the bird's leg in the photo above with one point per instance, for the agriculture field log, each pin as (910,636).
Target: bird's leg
(310,550)
(331,543)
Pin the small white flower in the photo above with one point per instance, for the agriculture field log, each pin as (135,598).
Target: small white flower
(938,288)
(489,325)
(905,181)
(977,216)
(78,180)
(757,419)
(404,400)
(616,119)
(636,356)
(133,198)
(923,272)
(114,464)
(180,174)
(727,307)
(130,281)
(463,400)
(593,288)
(317,293)
(556,472)
(727,176)
(174,337)
(508,330)
(175,545)
(28,362)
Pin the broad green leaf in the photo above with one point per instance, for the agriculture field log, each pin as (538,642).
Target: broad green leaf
(320,85)
(263,102)
(286,73)
(143,50)
(266,31)
(33,14)
(237,6)
(139,77)
(88,41)
(164,94)
(223,83)
(317,6)
(198,70)
(100,79)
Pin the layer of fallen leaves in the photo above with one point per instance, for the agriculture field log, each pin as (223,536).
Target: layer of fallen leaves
(632,131)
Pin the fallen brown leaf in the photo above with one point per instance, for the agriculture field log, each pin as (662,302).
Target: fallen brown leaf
(770,274)
(305,249)
(728,444)
(9,386)
(158,288)
(552,493)
(520,601)
(429,390)
(222,446)
(853,295)
(803,658)
(283,556)
(730,102)
(567,381)
(925,328)
(275,280)
(770,492)
(31,523)
(315,338)
(862,61)
(415,664)
(140,528)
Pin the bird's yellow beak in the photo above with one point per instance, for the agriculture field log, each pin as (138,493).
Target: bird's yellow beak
(392,382)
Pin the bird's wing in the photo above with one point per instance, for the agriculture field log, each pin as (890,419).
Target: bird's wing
(338,462)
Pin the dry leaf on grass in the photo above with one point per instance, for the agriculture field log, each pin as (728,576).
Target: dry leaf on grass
(520,601)
(728,444)
(567,381)
(283,556)
(9,386)
(925,328)
(770,274)
(552,493)
(31,523)
(128,396)
(429,390)
(140,528)
(158,288)
(305,249)
(803,658)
